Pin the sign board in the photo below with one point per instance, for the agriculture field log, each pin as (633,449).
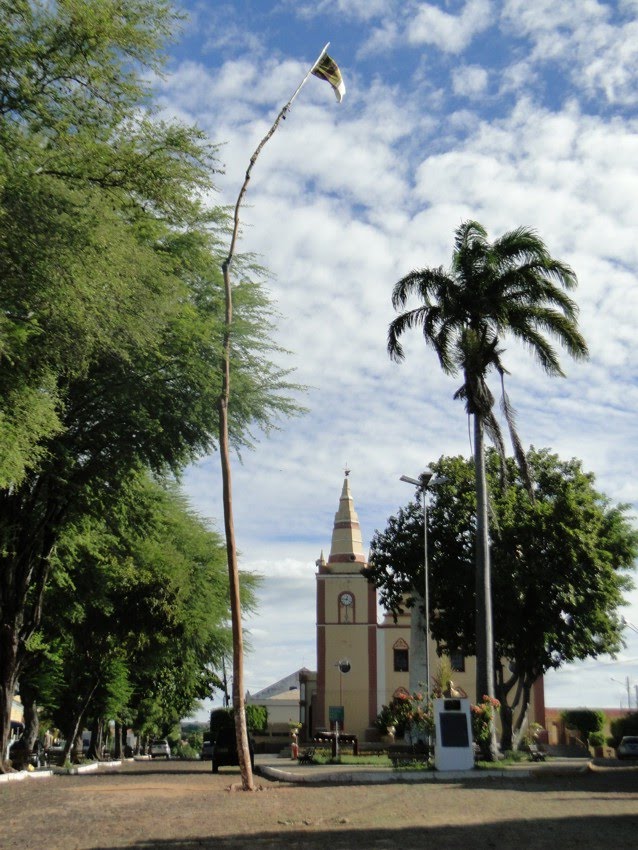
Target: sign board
(335,715)
(453,731)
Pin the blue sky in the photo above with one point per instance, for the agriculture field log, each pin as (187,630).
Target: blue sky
(510,112)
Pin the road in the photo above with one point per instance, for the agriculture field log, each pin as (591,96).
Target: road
(183,806)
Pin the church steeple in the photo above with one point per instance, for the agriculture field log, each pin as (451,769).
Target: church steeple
(346,550)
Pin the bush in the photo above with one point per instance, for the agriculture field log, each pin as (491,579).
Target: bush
(481,716)
(256,718)
(223,718)
(622,726)
(405,711)
(184,751)
(596,739)
(585,720)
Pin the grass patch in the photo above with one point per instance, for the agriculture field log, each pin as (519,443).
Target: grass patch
(369,759)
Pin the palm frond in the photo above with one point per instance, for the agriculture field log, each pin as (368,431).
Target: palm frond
(519,452)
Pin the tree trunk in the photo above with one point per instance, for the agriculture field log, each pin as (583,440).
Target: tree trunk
(30,714)
(8,675)
(95,746)
(241,732)
(117,741)
(418,673)
(484,632)
(26,543)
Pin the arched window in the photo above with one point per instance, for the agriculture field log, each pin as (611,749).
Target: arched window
(401,653)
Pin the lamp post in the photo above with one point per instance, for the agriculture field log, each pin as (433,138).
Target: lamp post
(627,685)
(423,483)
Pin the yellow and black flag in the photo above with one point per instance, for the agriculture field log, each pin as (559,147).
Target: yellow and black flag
(327,69)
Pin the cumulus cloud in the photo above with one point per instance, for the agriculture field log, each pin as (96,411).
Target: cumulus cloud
(450,33)
(469,80)
(598,49)
(346,199)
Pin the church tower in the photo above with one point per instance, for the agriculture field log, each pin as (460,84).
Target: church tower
(346,628)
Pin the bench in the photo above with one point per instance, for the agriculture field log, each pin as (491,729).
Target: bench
(535,753)
(322,739)
(408,753)
(307,756)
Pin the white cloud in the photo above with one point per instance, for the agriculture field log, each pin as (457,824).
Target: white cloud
(346,199)
(469,80)
(450,33)
(599,54)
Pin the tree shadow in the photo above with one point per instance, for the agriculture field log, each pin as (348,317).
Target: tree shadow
(614,831)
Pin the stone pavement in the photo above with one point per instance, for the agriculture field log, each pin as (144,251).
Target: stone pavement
(289,770)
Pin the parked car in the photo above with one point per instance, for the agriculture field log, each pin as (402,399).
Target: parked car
(56,752)
(207,748)
(160,749)
(225,749)
(21,757)
(628,747)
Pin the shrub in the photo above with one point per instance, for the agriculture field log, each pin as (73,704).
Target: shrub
(596,739)
(585,720)
(256,718)
(405,711)
(627,725)
(482,715)
(184,751)
(223,718)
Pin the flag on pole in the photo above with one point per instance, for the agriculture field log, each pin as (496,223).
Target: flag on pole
(327,69)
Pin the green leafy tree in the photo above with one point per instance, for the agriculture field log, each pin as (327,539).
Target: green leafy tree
(110,322)
(561,563)
(511,286)
(150,582)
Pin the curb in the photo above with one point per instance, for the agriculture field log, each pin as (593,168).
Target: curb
(388,777)
(19,775)
(345,777)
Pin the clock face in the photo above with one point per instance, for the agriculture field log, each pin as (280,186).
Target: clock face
(346,599)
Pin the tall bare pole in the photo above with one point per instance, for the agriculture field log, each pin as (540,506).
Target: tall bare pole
(224,452)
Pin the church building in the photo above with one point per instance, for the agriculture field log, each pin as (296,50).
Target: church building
(363,663)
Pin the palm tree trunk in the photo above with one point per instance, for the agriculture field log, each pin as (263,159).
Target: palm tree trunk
(484,631)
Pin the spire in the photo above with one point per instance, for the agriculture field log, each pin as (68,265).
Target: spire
(347,546)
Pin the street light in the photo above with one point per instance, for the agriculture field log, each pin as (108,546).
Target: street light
(624,684)
(423,483)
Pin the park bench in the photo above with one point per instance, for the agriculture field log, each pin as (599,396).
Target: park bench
(307,756)
(408,753)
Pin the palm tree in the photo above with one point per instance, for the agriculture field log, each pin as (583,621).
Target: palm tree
(511,286)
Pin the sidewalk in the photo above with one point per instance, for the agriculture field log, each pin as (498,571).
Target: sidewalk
(287,770)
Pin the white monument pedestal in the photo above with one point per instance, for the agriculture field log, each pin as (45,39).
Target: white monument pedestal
(453,750)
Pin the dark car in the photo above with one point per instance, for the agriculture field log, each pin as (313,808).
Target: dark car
(628,747)
(207,748)
(225,749)
(21,756)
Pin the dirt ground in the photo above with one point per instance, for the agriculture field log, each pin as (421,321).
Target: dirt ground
(183,806)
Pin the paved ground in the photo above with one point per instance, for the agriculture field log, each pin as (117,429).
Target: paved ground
(183,806)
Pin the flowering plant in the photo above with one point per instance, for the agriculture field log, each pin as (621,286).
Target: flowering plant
(406,711)
(482,715)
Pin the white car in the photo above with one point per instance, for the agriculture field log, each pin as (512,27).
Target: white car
(160,749)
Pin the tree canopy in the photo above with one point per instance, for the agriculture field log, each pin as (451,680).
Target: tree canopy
(149,581)
(111,304)
(561,563)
